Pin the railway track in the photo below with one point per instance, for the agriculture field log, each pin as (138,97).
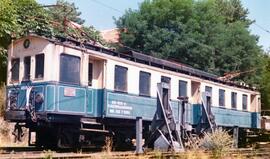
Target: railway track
(34,153)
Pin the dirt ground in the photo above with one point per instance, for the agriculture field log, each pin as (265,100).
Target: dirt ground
(6,137)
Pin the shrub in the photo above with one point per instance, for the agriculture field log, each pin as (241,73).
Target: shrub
(2,99)
(218,142)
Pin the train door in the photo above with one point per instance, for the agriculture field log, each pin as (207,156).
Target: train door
(95,85)
(253,105)
(196,100)
(208,93)
(166,93)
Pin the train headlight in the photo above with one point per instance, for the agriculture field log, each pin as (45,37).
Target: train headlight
(39,98)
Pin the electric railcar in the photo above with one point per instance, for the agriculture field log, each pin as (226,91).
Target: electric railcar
(69,93)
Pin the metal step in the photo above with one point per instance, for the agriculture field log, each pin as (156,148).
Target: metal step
(90,121)
(95,130)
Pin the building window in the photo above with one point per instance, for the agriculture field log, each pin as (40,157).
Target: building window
(70,69)
(244,102)
(144,83)
(182,88)
(234,99)
(15,66)
(90,74)
(221,97)
(39,71)
(27,67)
(120,78)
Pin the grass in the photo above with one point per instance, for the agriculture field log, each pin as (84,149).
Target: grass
(2,99)
(108,144)
(48,154)
(219,142)
(6,137)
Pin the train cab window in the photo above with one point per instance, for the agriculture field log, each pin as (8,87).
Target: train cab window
(120,78)
(27,67)
(182,88)
(90,74)
(70,69)
(234,99)
(15,65)
(39,71)
(144,83)
(244,102)
(221,98)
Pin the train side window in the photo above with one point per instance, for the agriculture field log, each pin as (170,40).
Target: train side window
(244,102)
(120,78)
(70,69)
(221,97)
(209,90)
(15,65)
(90,74)
(144,83)
(27,67)
(39,71)
(234,99)
(182,88)
(166,79)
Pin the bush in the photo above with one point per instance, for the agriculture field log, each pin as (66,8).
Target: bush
(218,142)
(2,99)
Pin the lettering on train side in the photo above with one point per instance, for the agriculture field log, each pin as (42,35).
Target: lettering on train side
(119,107)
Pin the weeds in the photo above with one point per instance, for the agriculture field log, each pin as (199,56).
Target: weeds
(6,137)
(196,154)
(157,154)
(48,154)
(108,144)
(218,142)
(2,99)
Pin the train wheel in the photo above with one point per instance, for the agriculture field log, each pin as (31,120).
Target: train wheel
(122,142)
(68,137)
(46,138)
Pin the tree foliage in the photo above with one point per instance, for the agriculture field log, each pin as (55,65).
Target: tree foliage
(211,35)
(264,82)
(64,10)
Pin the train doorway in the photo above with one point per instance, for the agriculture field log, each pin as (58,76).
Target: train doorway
(195,92)
(96,73)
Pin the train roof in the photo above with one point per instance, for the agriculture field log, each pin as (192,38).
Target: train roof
(147,60)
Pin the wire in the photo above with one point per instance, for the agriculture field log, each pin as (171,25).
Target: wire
(262,28)
(107,6)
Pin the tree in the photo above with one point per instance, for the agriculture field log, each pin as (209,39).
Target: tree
(7,25)
(265,84)
(64,10)
(18,18)
(211,35)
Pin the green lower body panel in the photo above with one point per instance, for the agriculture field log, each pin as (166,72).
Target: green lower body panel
(122,105)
